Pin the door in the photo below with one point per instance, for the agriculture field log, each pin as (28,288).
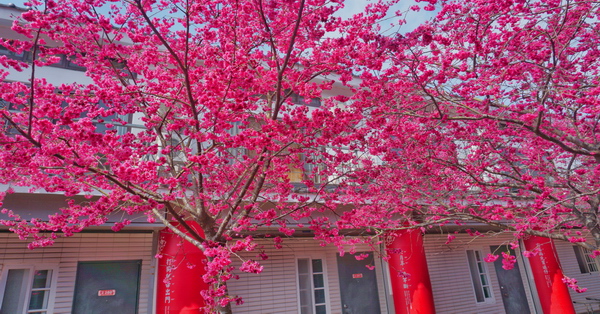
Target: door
(107,287)
(511,284)
(358,284)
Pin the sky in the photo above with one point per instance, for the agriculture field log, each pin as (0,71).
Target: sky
(352,7)
(413,19)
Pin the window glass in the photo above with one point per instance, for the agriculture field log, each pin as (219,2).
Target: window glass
(304,286)
(38,300)
(317,265)
(321,309)
(319,296)
(479,276)
(41,279)
(318,281)
(15,291)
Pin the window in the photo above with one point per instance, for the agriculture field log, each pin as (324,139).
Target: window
(311,286)
(23,56)
(310,170)
(113,118)
(25,290)
(313,168)
(586,263)
(121,66)
(70,62)
(301,100)
(479,276)
(348,172)
(65,61)
(236,154)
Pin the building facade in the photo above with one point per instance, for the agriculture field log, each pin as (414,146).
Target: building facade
(130,271)
(102,271)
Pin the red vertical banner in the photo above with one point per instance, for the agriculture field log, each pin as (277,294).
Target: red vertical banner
(179,275)
(552,291)
(409,275)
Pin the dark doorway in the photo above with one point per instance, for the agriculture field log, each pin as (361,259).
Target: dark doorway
(358,284)
(107,287)
(511,284)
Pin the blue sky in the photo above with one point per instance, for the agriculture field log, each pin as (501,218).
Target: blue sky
(413,19)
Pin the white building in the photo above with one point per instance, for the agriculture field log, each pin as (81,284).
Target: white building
(100,271)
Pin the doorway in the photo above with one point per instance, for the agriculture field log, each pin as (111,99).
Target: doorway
(358,284)
(107,287)
(511,283)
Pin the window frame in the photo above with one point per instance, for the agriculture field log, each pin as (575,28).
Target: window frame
(301,100)
(25,56)
(584,260)
(236,154)
(32,268)
(479,284)
(324,272)
(313,171)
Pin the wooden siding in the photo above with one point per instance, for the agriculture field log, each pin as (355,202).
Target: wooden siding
(275,289)
(450,276)
(65,254)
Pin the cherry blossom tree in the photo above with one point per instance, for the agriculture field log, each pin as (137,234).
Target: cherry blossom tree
(488,116)
(195,114)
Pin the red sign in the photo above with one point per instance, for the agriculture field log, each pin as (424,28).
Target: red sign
(107,293)
(356,276)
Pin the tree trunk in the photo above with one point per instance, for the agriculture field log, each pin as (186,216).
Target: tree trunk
(215,286)
(224,310)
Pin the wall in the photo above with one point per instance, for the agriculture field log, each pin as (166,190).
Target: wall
(275,289)
(591,281)
(450,276)
(65,254)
